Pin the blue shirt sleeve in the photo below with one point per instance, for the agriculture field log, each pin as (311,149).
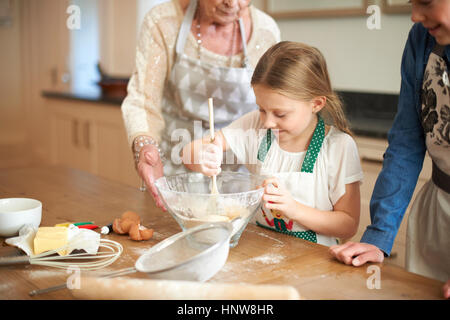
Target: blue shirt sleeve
(404,156)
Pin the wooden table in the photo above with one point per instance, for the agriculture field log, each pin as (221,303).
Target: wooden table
(261,257)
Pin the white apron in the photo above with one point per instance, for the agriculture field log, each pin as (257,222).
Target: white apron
(191,83)
(273,219)
(428,231)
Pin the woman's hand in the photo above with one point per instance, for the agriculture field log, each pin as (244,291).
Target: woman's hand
(356,254)
(150,168)
(277,197)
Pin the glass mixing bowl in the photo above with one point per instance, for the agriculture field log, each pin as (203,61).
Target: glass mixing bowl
(188,199)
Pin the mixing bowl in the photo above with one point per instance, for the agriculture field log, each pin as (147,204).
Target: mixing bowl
(17,212)
(196,254)
(188,198)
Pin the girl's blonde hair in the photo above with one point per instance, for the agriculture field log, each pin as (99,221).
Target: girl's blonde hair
(299,72)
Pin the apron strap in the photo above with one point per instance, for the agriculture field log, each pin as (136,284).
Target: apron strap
(244,44)
(439,50)
(311,154)
(185,28)
(308,235)
(314,147)
(265,145)
(440,178)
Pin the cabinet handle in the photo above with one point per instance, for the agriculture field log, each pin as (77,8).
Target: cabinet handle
(75,132)
(54,76)
(87,142)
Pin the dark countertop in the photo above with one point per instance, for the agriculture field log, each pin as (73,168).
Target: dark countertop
(93,95)
(369,114)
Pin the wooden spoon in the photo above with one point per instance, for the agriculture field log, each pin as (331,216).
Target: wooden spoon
(214,189)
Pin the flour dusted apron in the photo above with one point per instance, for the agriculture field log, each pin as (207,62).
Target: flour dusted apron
(301,186)
(191,83)
(428,231)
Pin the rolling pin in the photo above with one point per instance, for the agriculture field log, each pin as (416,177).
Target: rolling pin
(148,289)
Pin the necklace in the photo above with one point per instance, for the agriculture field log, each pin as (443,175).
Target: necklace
(199,38)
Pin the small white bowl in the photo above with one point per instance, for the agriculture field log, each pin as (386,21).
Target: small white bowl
(17,212)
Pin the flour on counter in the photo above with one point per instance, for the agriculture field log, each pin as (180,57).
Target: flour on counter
(140,250)
(4,287)
(160,236)
(279,242)
(39,274)
(249,265)
(269,258)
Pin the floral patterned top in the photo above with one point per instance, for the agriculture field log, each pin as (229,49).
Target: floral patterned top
(435,109)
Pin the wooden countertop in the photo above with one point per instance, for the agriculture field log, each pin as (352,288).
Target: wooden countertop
(261,257)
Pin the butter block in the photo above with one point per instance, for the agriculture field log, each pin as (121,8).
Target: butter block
(50,238)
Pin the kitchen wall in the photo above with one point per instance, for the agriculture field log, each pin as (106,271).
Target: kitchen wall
(12,124)
(83,63)
(359,59)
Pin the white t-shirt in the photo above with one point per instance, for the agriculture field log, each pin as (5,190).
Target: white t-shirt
(337,163)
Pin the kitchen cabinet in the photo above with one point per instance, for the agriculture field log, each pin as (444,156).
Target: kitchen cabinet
(45,55)
(90,136)
(71,146)
(371,151)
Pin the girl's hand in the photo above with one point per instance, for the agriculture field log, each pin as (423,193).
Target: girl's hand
(210,159)
(277,197)
(205,156)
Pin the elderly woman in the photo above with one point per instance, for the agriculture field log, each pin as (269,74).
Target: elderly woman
(189,51)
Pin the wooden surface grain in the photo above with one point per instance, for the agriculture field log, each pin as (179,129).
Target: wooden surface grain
(261,257)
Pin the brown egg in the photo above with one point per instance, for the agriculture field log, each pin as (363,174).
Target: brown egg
(116,226)
(146,233)
(138,233)
(135,233)
(126,224)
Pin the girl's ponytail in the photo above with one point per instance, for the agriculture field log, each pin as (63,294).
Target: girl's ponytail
(334,113)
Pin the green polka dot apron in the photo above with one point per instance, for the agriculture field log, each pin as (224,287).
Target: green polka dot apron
(298,183)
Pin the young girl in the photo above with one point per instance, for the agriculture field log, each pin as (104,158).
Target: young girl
(314,192)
